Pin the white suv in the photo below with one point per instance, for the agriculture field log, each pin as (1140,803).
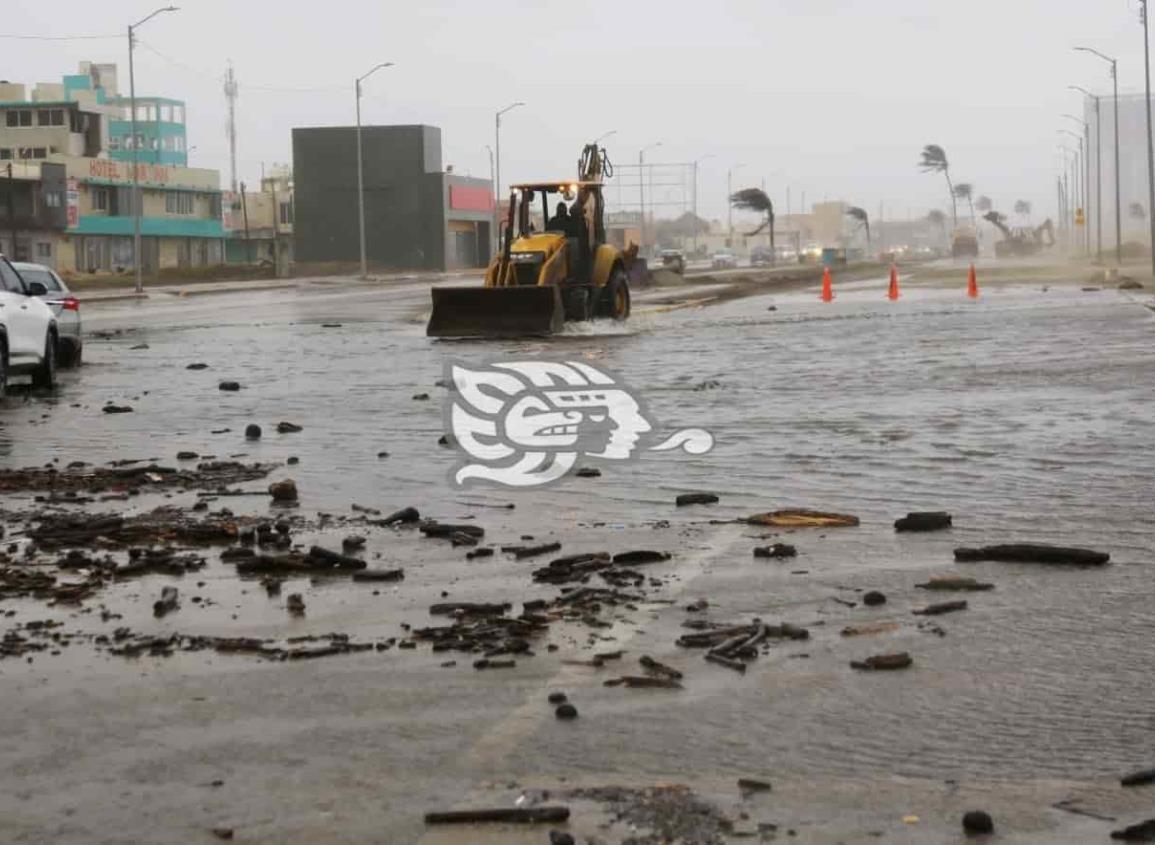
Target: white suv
(27,330)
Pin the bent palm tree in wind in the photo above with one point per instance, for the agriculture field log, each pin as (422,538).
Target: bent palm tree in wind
(863,219)
(934,161)
(1022,208)
(965,191)
(984,204)
(755,199)
(937,218)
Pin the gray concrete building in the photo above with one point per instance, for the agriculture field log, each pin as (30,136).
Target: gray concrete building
(417,215)
(1133,193)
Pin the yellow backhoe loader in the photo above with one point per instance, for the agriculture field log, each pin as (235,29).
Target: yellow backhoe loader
(564,271)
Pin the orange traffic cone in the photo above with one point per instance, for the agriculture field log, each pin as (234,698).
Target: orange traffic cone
(972,284)
(892,294)
(827,287)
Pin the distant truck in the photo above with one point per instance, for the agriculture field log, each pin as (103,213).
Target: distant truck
(964,244)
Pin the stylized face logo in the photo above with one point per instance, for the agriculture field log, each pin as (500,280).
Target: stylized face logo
(524,423)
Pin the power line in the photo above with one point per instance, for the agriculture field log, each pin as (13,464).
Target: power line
(59,37)
(222,78)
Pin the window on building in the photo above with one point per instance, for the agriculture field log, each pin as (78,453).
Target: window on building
(166,113)
(12,117)
(39,152)
(76,121)
(286,213)
(178,114)
(44,117)
(178,142)
(100,199)
(58,117)
(6,154)
(19,117)
(177,202)
(52,199)
(114,142)
(26,117)
(44,250)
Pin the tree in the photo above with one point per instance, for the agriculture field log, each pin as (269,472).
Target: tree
(965,191)
(755,199)
(1022,208)
(937,218)
(863,219)
(1137,211)
(934,161)
(984,203)
(685,226)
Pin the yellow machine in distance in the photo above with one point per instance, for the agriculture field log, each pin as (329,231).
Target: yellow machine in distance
(567,271)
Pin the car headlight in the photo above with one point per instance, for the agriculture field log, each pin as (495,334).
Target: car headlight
(526,257)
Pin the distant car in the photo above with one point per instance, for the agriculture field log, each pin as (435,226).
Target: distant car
(723,261)
(673,260)
(27,330)
(63,304)
(761,256)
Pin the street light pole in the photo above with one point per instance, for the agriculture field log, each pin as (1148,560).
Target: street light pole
(1085,174)
(1079,201)
(642,193)
(497,157)
(1150,141)
(136,256)
(1098,173)
(1118,199)
(361,168)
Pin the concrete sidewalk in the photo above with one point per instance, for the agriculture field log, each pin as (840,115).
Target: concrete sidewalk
(120,293)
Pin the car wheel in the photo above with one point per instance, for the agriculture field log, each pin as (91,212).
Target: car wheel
(69,354)
(44,377)
(616,297)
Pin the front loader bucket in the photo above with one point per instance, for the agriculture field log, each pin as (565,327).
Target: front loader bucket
(496,312)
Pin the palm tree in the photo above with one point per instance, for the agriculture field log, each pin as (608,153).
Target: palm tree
(965,191)
(984,203)
(863,219)
(755,199)
(934,161)
(1022,208)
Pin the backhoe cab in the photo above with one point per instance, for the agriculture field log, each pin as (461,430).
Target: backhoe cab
(563,271)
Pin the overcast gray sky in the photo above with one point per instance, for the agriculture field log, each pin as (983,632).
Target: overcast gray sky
(831,97)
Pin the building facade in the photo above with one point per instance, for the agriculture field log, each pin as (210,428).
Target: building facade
(66,197)
(259,224)
(418,216)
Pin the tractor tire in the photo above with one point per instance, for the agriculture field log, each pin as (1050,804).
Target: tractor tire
(615,299)
(44,377)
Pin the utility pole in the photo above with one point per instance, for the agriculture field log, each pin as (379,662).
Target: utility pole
(231,125)
(137,258)
(245,217)
(361,167)
(12,209)
(1150,142)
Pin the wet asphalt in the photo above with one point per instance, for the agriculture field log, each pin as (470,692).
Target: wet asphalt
(1027,414)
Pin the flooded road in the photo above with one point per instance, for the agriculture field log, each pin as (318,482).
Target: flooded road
(1026,414)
